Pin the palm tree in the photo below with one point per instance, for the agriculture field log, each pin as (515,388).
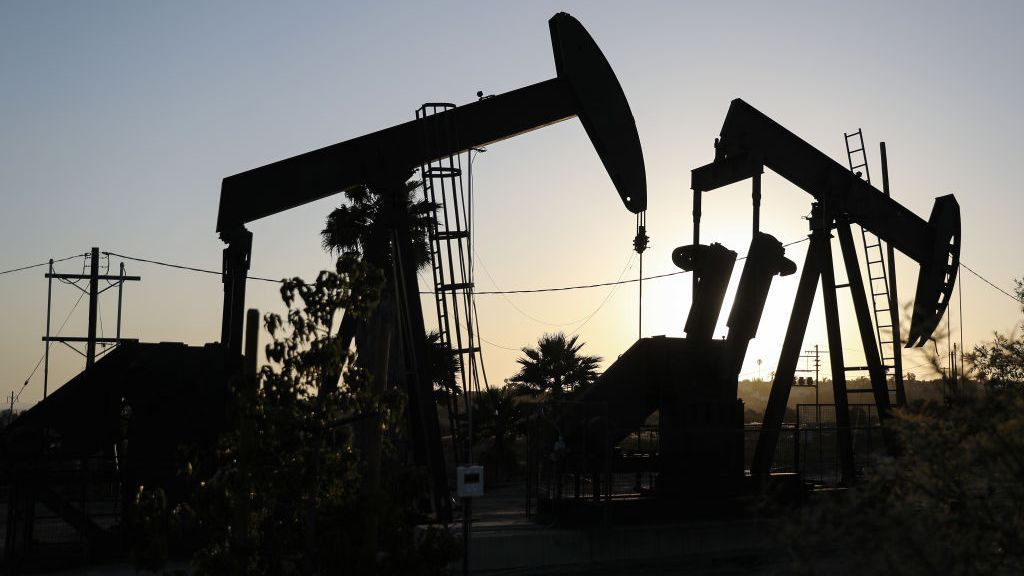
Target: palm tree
(555,367)
(363,226)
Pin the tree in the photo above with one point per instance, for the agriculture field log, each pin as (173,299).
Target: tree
(554,367)
(303,477)
(1000,363)
(363,226)
(949,503)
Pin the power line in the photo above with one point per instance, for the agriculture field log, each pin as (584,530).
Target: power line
(606,298)
(986,280)
(40,264)
(490,292)
(59,330)
(190,268)
(485,292)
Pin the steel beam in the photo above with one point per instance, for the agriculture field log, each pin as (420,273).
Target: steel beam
(864,324)
(775,411)
(585,86)
(844,437)
(894,301)
(418,377)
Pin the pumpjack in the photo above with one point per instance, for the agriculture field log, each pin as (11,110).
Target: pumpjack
(692,381)
(585,87)
(750,141)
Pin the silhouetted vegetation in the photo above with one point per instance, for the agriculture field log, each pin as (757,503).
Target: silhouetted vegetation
(950,503)
(298,486)
(555,367)
(498,419)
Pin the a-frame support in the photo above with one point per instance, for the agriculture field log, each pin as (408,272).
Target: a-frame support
(818,264)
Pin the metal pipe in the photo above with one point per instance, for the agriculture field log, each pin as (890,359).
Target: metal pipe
(49,299)
(894,302)
(94,271)
(120,299)
(835,346)
(756,196)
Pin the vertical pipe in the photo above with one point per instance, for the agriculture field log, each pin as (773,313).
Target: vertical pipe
(696,235)
(640,305)
(46,354)
(235,266)
(94,283)
(120,299)
(894,302)
(817,364)
(756,196)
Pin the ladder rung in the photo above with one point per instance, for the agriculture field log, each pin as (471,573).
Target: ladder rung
(847,285)
(442,172)
(456,286)
(860,391)
(466,350)
(856,368)
(857,150)
(451,235)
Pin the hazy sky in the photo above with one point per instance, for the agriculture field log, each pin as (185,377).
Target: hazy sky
(118,121)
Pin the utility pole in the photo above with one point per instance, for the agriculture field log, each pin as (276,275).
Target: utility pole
(94,277)
(817,366)
(816,356)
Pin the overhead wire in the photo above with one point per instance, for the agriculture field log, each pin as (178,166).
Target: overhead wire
(59,330)
(505,297)
(47,263)
(519,291)
(606,298)
(986,280)
(483,292)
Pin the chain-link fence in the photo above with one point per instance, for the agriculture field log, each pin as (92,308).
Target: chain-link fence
(818,443)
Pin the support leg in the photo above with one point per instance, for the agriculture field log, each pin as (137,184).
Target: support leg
(235,268)
(426,430)
(790,355)
(835,348)
(860,307)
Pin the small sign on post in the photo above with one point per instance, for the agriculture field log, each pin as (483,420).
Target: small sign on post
(469,481)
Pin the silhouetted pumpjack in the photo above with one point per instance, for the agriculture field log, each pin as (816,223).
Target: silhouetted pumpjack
(691,382)
(749,141)
(585,86)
